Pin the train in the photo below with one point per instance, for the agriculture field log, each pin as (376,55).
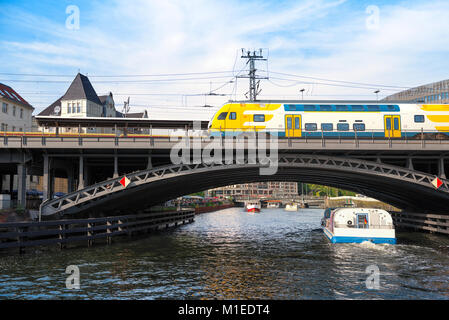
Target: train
(296,119)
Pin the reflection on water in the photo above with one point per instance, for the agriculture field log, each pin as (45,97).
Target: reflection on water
(232,255)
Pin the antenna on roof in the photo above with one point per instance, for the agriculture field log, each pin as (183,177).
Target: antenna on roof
(125,107)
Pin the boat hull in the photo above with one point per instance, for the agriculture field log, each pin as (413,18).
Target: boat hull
(357,239)
(252,209)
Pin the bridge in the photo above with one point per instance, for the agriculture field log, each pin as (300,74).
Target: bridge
(397,171)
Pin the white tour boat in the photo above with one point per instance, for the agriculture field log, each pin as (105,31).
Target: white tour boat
(355,225)
(291,207)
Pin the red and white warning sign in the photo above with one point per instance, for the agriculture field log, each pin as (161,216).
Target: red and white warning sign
(124,181)
(437,182)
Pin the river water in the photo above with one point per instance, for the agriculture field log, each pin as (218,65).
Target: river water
(230,254)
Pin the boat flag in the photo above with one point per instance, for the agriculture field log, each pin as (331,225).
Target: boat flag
(437,183)
(124,181)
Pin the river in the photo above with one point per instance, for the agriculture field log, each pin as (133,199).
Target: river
(230,254)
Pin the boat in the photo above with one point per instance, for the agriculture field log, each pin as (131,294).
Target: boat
(273,204)
(291,206)
(356,225)
(253,206)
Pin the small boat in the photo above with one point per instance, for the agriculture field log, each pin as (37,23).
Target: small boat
(356,225)
(253,207)
(291,207)
(272,204)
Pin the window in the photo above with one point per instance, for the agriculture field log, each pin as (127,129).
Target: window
(341,108)
(259,118)
(396,123)
(309,108)
(419,118)
(3,127)
(343,126)
(325,108)
(388,123)
(327,127)
(14,111)
(222,116)
(289,123)
(73,108)
(21,113)
(69,108)
(373,108)
(291,108)
(78,108)
(359,127)
(13,128)
(310,126)
(21,129)
(232,116)
(391,108)
(357,108)
(297,123)
(5,107)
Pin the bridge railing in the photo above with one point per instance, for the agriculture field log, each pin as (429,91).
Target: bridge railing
(61,232)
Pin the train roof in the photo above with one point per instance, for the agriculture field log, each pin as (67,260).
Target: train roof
(326,101)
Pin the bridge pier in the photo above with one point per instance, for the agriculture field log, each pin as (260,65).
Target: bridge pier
(410,163)
(115,175)
(441,172)
(81,173)
(21,184)
(47,179)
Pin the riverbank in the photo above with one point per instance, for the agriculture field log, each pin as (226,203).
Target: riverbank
(205,209)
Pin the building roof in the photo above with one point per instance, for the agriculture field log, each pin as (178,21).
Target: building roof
(52,109)
(10,94)
(81,88)
(103,98)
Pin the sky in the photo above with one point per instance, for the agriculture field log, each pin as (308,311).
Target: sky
(168,55)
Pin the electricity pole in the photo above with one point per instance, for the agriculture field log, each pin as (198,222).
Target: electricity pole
(252,58)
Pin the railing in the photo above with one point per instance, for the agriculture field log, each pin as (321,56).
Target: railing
(61,232)
(369,226)
(420,221)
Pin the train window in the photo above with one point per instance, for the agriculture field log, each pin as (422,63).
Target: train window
(259,118)
(327,127)
(289,123)
(388,123)
(373,108)
(291,108)
(222,116)
(343,126)
(391,108)
(419,118)
(359,127)
(341,108)
(310,108)
(297,123)
(232,116)
(310,126)
(396,123)
(325,108)
(357,108)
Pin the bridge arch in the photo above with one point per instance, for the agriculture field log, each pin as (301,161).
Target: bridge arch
(401,187)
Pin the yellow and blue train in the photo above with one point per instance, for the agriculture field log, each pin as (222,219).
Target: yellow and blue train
(332,119)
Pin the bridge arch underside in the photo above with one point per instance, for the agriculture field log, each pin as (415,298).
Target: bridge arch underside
(395,191)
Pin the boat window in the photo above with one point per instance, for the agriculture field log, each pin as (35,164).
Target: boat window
(232,116)
(419,118)
(327,127)
(341,108)
(343,126)
(222,116)
(362,220)
(310,126)
(259,118)
(359,127)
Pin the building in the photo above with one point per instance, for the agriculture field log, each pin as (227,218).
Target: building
(81,101)
(16,111)
(437,92)
(272,189)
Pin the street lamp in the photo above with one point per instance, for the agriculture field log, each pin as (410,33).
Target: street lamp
(302,93)
(377,92)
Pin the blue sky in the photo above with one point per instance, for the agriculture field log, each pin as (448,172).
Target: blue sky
(407,46)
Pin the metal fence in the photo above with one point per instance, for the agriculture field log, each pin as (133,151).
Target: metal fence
(61,232)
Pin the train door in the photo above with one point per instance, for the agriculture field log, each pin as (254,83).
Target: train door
(292,125)
(392,126)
